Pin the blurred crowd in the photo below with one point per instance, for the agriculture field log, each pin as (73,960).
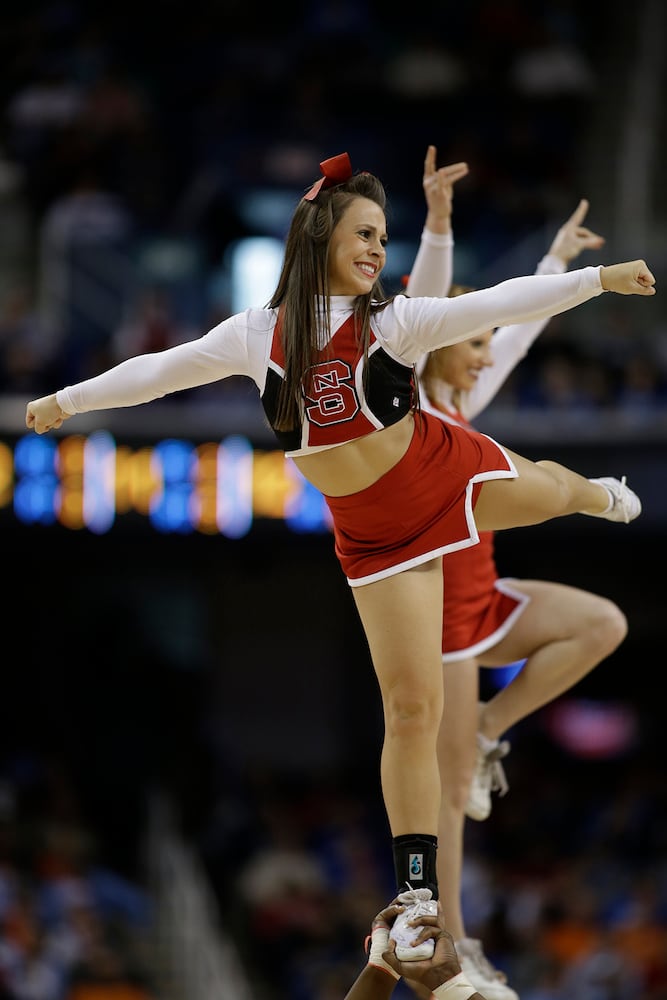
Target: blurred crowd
(566,882)
(129,165)
(71,928)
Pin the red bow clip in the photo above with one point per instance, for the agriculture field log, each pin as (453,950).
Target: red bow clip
(336,170)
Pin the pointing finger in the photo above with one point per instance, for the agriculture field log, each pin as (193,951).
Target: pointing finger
(429,162)
(579,213)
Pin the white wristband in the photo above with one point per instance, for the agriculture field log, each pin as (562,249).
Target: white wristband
(437,239)
(379,944)
(456,988)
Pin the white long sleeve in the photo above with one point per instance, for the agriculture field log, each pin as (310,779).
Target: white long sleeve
(509,345)
(407,327)
(416,326)
(433,266)
(237,346)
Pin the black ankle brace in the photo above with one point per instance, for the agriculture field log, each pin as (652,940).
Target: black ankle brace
(414,862)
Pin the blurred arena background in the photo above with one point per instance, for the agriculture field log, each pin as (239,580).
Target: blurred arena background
(189,774)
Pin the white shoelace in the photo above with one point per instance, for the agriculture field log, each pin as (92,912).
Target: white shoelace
(493,769)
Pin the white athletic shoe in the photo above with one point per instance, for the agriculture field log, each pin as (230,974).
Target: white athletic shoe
(417,902)
(486,979)
(625,505)
(488,776)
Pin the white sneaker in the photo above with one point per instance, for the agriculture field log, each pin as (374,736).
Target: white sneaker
(625,505)
(488,776)
(417,902)
(487,980)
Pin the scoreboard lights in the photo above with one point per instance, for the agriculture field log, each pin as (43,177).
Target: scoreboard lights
(89,482)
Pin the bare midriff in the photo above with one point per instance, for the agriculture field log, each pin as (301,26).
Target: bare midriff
(356,465)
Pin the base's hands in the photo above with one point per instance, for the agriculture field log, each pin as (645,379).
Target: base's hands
(439,190)
(44,415)
(632,278)
(443,964)
(573,236)
(386,917)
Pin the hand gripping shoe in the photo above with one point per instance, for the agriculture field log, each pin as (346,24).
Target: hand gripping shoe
(417,902)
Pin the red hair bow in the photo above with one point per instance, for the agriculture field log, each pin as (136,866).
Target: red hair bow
(336,170)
